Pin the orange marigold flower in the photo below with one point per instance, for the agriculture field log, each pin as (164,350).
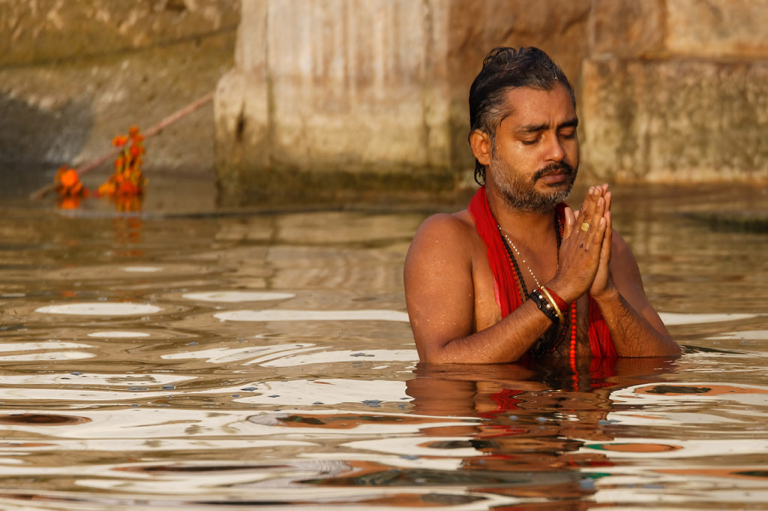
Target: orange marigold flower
(68,184)
(127,180)
(69,179)
(128,188)
(107,189)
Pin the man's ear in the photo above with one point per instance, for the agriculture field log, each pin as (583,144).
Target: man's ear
(482,146)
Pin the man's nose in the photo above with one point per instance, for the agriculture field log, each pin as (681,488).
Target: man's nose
(555,151)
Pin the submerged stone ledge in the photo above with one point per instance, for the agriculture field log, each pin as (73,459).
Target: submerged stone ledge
(735,220)
(278,187)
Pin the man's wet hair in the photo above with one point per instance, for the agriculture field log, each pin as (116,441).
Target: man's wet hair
(504,69)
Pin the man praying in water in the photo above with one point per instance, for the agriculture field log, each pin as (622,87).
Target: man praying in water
(519,274)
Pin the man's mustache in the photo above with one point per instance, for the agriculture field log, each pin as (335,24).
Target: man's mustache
(553,168)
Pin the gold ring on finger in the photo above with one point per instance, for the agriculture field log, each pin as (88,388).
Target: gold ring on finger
(585,227)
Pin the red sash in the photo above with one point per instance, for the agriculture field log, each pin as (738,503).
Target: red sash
(505,283)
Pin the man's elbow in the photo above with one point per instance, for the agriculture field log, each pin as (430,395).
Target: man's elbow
(434,354)
(666,348)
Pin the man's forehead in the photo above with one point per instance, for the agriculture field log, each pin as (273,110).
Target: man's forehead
(540,104)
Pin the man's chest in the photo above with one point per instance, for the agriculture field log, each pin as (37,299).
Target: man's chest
(487,311)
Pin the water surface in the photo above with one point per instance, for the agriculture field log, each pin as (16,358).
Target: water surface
(265,361)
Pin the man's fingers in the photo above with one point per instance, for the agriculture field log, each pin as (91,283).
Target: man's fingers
(588,209)
(587,199)
(599,233)
(570,220)
(595,233)
(594,243)
(608,237)
(600,208)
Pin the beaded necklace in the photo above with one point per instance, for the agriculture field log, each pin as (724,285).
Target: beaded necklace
(552,337)
(509,241)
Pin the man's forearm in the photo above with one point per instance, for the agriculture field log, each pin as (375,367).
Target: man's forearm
(632,334)
(506,341)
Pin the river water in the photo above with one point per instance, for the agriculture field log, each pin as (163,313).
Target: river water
(217,360)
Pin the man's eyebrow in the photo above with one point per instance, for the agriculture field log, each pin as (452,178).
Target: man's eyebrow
(532,128)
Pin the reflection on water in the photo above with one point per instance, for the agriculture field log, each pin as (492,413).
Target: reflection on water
(266,361)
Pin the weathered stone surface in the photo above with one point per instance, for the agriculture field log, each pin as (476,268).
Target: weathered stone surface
(335,89)
(241,106)
(348,80)
(717,28)
(628,28)
(364,89)
(559,27)
(49,30)
(242,132)
(684,121)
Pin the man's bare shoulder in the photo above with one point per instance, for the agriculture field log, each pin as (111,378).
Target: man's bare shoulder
(445,231)
(459,223)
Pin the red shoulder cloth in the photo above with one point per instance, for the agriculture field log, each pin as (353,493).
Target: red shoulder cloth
(505,283)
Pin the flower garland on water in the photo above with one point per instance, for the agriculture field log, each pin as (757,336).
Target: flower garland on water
(69,188)
(127,181)
(125,186)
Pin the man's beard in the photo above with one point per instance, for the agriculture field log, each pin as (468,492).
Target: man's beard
(519,193)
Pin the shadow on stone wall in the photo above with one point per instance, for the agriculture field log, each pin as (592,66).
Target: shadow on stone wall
(35,141)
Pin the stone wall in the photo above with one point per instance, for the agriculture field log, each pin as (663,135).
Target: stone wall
(332,98)
(677,91)
(344,94)
(335,98)
(335,95)
(75,74)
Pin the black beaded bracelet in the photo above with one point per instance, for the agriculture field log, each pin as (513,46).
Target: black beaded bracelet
(544,306)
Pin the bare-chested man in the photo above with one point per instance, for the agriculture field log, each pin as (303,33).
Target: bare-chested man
(519,273)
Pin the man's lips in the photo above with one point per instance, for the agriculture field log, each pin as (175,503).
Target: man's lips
(552,179)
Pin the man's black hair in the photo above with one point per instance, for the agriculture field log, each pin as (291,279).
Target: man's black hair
(505,69)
